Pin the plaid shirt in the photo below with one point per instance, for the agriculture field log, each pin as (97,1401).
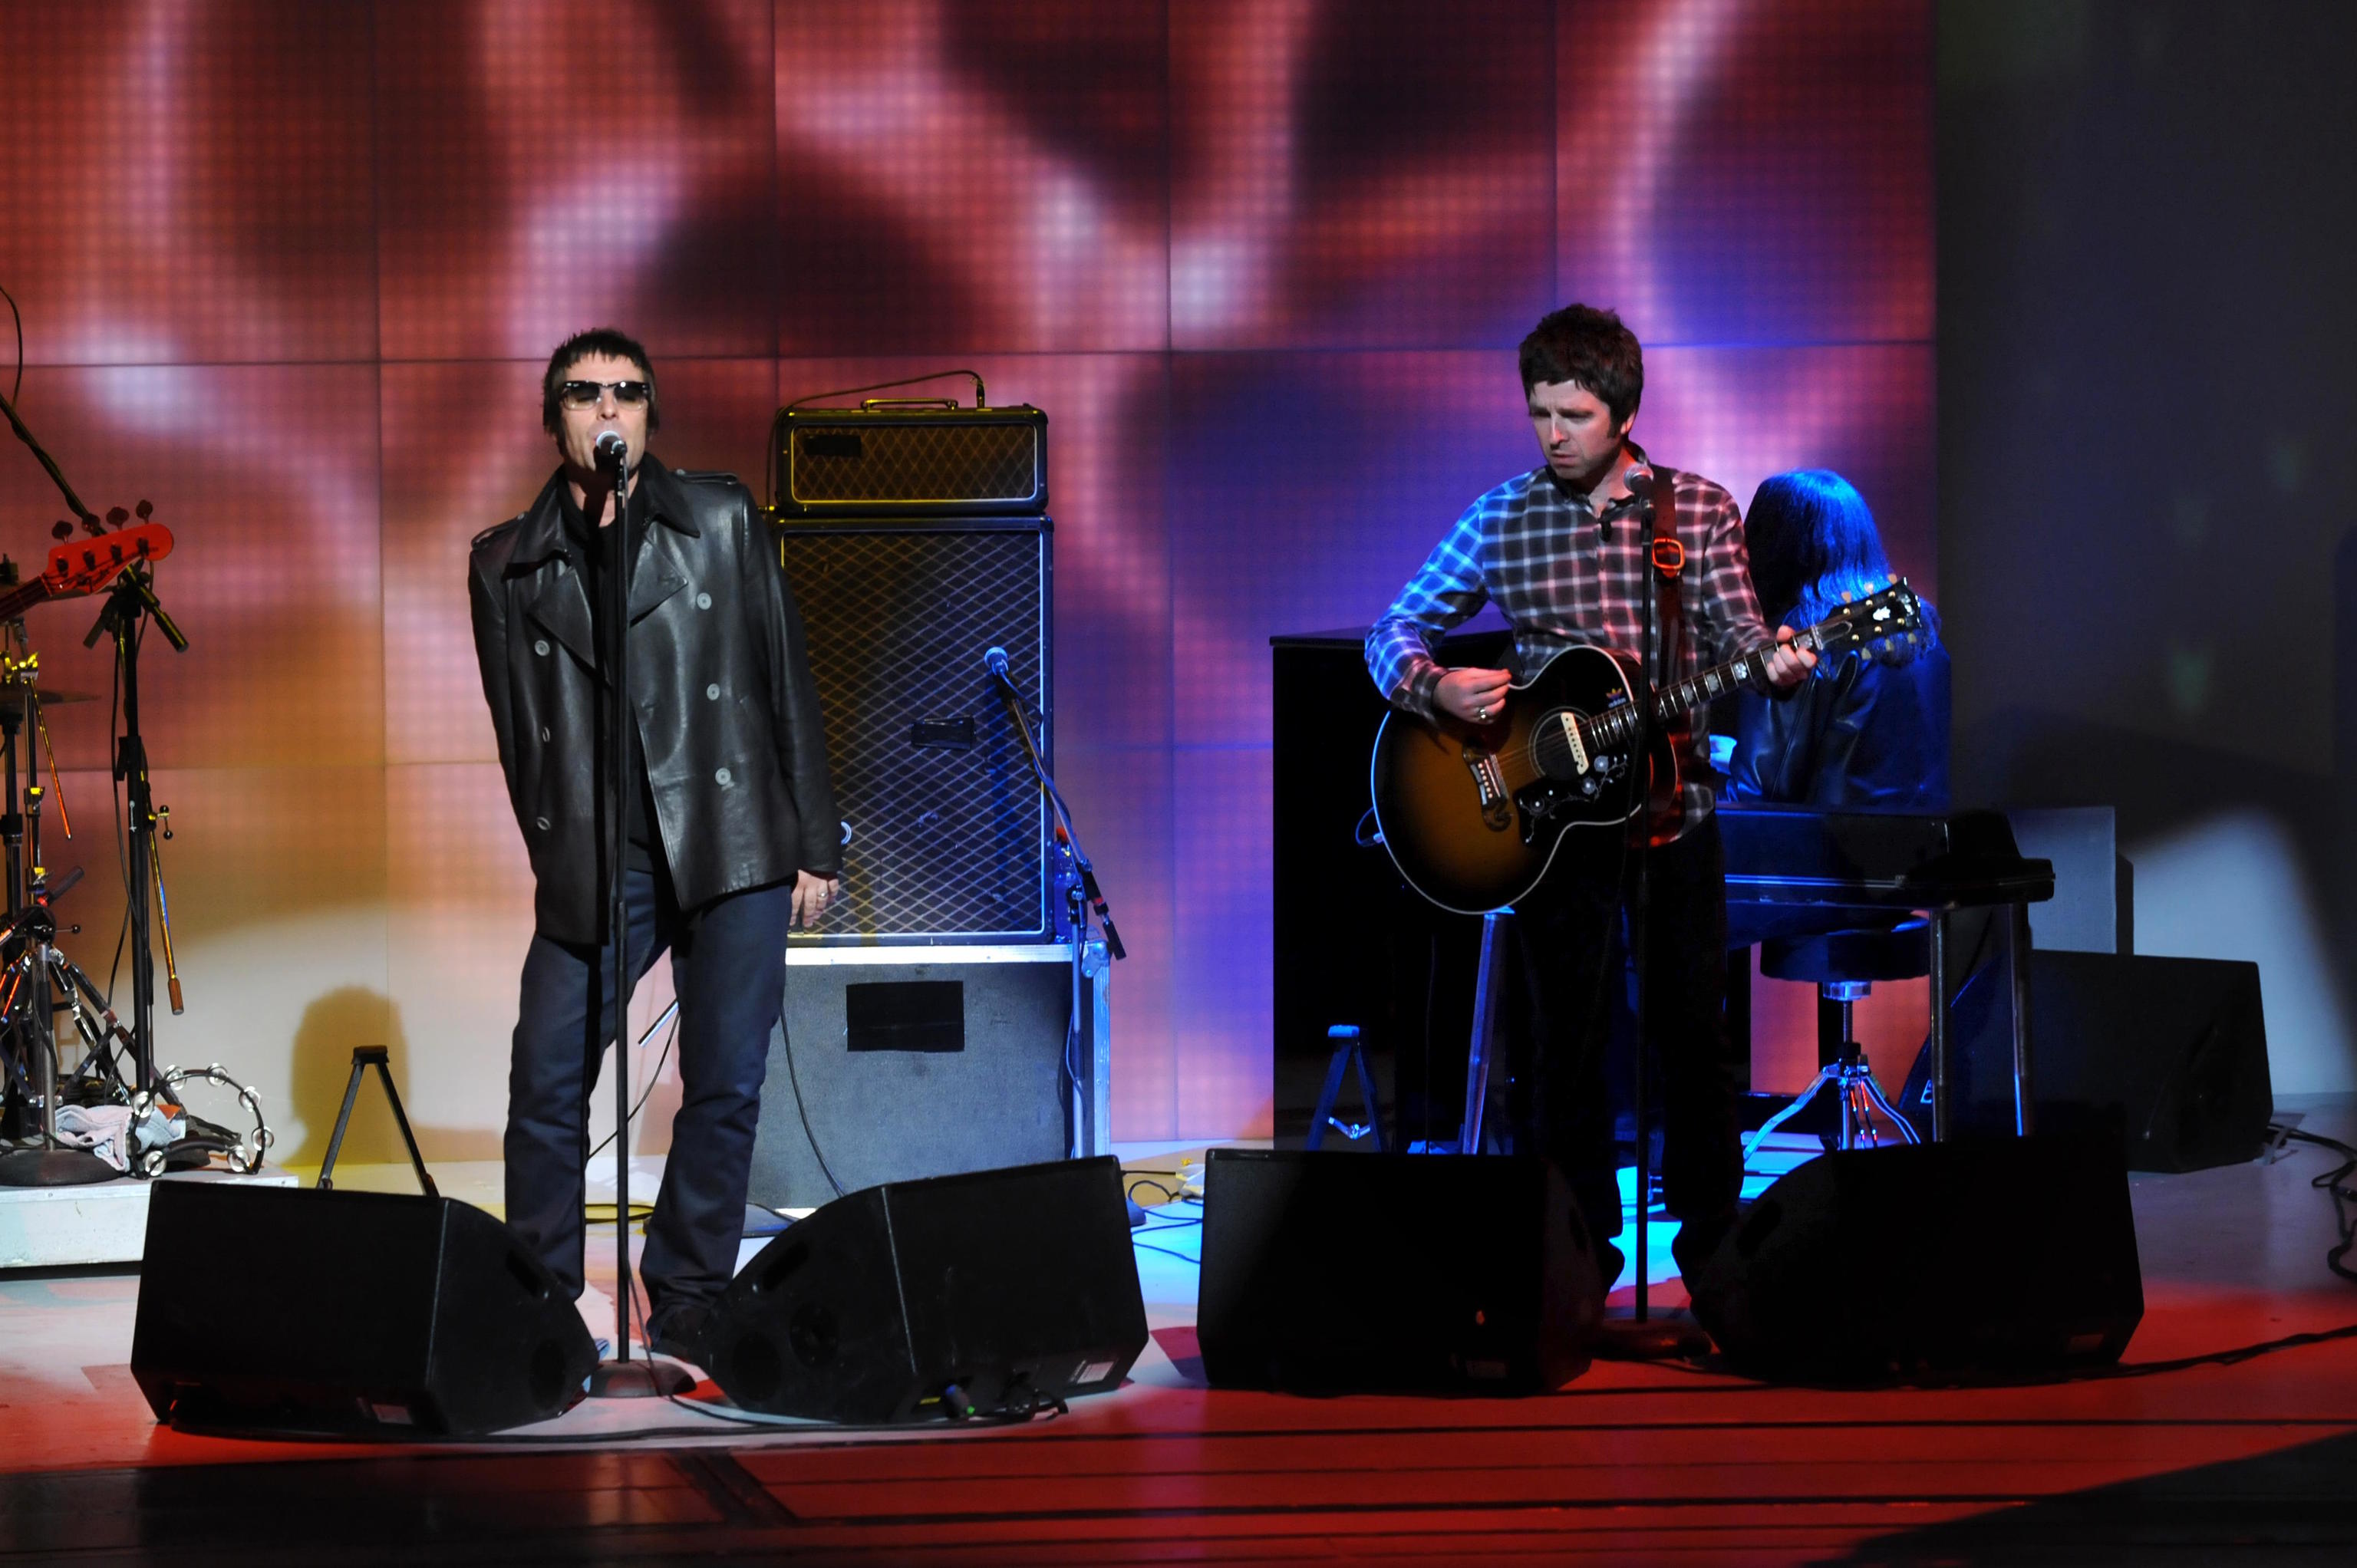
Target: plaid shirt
(1564,578)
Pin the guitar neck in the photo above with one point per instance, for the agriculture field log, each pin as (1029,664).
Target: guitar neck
(16,601)
(1697,692)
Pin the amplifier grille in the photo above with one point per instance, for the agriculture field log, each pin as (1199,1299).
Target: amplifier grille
(948,831)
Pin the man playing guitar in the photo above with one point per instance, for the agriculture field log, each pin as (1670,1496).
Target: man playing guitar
(1562,552)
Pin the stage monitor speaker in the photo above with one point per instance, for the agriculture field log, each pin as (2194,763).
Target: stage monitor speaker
(292,1309)
(2178,1046)
(1977,1256)
(910,462)
(2173,1051)
(1334,1272)
(894,1064)
(947,833)
(993,1291)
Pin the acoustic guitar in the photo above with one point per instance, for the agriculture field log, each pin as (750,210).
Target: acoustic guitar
(1474,814)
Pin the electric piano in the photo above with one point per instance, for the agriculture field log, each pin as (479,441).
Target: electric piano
(1792,870)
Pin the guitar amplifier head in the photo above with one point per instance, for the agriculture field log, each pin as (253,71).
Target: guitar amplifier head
(881,460)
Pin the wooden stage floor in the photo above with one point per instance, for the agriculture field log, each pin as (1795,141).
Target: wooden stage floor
(2253,1461)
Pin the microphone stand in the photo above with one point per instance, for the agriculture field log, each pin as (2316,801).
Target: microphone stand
(1079,877)
(1641,1339)
(621,1378)
(1640,893)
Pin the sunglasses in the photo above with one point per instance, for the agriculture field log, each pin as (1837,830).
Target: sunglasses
(584,394)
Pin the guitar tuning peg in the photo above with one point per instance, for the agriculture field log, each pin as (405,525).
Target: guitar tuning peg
(1846,596)
(117,516)
(63,529)
(146,510)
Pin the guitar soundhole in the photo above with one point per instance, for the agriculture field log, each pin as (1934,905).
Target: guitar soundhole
(1554,752)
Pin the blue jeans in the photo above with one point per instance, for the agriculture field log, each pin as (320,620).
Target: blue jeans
(727,965)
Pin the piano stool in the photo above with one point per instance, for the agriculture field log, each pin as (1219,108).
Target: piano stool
(1844,965)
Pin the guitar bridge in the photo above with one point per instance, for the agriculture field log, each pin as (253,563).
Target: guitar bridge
(1497,812)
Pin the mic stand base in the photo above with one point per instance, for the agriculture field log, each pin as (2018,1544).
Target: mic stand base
(642,1377)
(55,1167)
(1662,1335)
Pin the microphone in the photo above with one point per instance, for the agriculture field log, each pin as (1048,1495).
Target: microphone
(1639,481)
(614,453)
(994,661)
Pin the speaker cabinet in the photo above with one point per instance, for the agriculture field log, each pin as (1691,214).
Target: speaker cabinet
(1980,1255)
(292,1309)
(891,1064)
(2172,1051)
(1337,1273)
(947,831)
(995,1290)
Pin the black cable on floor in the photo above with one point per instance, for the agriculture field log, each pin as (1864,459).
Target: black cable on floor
(2343,1196)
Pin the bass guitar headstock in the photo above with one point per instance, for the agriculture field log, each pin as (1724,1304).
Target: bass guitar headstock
(85,566)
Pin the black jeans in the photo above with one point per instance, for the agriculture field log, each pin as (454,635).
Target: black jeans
(727,965)
(1559,1105)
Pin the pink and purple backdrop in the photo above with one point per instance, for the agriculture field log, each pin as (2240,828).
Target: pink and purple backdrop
(290,269)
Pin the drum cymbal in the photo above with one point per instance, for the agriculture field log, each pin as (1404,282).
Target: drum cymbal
(48,697)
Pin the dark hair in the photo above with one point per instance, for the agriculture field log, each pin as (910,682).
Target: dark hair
(581,346)
(1580,343)
(1812,539)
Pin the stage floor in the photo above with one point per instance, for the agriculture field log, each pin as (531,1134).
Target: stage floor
(2217,1463)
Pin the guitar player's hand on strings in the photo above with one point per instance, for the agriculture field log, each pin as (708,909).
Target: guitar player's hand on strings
(1789,663)
(1473,696)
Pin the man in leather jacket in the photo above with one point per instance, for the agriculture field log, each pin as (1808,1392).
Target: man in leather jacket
(730,824)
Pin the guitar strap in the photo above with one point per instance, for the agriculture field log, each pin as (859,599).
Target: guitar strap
(1668,554)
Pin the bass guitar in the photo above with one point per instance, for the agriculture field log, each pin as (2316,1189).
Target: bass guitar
(86,566)
(1474,814)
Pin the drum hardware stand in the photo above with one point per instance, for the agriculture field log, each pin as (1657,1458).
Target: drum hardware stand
(50,1165)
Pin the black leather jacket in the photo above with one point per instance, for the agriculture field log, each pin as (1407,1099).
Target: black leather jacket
(727,711)
(1861,734)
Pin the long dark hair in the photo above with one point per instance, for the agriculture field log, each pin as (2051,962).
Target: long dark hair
(1812,539)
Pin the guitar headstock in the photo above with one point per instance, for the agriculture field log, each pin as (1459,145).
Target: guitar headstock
(84,566)
(1886,624)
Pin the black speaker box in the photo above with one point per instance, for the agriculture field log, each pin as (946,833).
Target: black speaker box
(897,1064)
(2172,1050)
(1333,1274)
(1980,1255)
(947,830)
(293,1309)
(998,1289)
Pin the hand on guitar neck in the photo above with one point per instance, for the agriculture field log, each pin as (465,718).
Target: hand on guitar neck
(1477,696)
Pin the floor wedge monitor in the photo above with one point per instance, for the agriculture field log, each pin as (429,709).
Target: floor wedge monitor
(292,1309)
(1335,1272)
(996,1291)
(1981,1256)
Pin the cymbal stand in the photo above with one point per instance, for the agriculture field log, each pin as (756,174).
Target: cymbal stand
(30,988)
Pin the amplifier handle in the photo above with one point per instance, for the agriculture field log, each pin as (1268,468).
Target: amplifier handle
(868,403)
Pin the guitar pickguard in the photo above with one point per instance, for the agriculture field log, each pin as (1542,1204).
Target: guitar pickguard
(1539,803)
